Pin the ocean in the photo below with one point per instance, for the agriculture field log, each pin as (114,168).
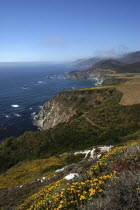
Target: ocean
(25,87)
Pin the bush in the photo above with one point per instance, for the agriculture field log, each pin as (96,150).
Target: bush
(74,158)
(123,194)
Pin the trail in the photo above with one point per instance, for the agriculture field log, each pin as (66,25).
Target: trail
(92,123)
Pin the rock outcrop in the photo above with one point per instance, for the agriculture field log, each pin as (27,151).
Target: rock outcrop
(98,74)
(54,111)
(101,69)
(66,104)
(97,71)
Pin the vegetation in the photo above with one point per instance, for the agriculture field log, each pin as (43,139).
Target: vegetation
(119,67)
(123,192)
(125,78)
(108,169)
(130,68)
(26,171)
(108,64)
(99,120)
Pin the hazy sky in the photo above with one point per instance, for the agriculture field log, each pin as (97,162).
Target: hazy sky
(62,30)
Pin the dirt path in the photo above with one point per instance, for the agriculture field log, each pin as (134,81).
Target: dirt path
(87,119)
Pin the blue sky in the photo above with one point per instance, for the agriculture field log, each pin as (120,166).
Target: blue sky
(63,30)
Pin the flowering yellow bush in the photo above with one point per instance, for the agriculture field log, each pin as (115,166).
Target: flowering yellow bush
(70,196)
(103,163)
(65,195)
(38,199)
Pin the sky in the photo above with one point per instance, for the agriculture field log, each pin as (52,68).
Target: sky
(65,30)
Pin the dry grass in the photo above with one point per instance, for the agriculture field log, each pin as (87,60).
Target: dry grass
(131,94)
(130,76)
(130,88)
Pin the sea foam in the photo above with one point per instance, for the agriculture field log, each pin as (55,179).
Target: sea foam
(33,113)
(40,82)
(15,105)
(17,115)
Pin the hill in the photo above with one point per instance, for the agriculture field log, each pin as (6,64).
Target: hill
(78,130)
(86,63)
(132,57)
(116,66)
(101,68)
(111,183)
(107,64)
(98,70)
(85,119)
(128,58)
(98,183)
(130,68)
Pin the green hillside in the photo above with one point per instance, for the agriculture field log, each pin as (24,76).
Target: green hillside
(107,64)
(98,121)
(117,66)
(130,68)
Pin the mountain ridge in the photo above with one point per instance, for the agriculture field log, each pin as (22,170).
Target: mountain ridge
(100,69)
(129,58)
(90,119)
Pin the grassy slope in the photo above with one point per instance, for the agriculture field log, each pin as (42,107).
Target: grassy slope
(129,68)
(103,122)
(26,171)
(130,88)
(110,122)
(107,64)
(119,67)
(105,178)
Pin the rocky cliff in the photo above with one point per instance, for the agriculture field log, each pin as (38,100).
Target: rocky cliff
(96,74)
(66,104)
(54,111)
(101,69)
(98,71)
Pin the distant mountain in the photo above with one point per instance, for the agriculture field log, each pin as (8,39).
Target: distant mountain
(129,68)
(101,68)
(132,57)
(109,64)
(128,58)
(117,66)
(87,63)
(97,71)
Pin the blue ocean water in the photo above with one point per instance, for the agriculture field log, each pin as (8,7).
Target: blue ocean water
(25,87)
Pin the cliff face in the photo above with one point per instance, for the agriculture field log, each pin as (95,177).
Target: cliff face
(65,105)
(100,69)
(53,112)
(98,74)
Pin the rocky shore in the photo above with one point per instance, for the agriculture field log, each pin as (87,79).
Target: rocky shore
(98,74)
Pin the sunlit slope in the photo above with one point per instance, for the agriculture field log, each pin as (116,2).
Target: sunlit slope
(99,119)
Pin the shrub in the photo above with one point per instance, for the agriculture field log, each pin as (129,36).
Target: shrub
(74,158)
(123,194)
